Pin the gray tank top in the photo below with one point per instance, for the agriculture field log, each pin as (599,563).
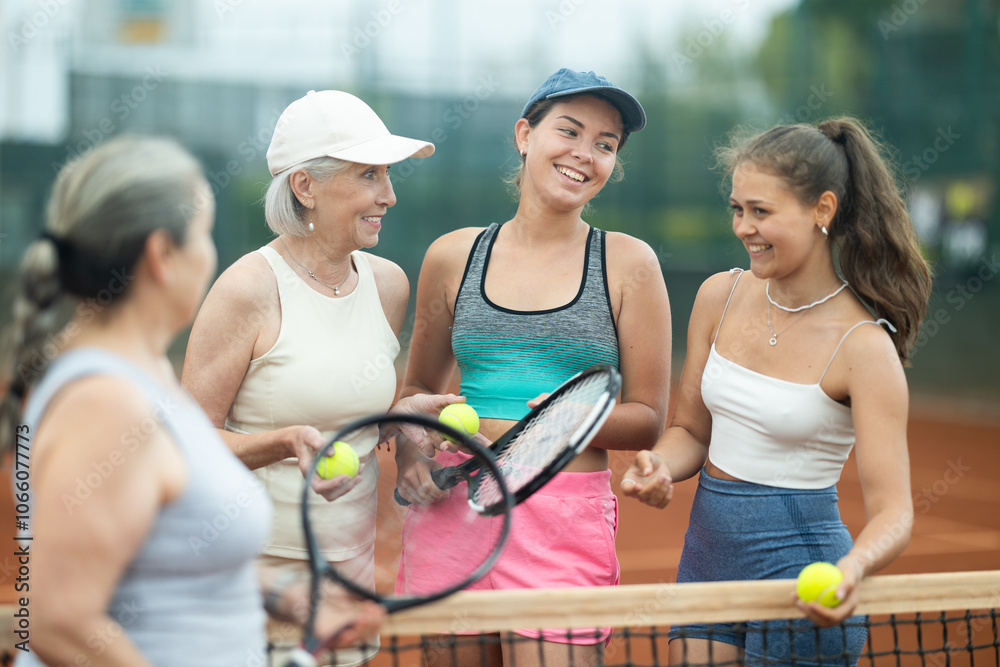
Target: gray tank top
(191,595)
(507,357)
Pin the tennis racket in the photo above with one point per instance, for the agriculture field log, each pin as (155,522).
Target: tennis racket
(536,448)
(393,527)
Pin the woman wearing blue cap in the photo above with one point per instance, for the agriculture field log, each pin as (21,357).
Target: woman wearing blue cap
(521,307)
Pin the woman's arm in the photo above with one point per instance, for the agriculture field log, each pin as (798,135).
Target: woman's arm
(682,450)
(239,321)
(879,407)
(83,544)
(238,309)
(394,293)
(393,290)
(431,362)
(644,345)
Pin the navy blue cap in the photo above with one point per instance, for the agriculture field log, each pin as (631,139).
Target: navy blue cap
(570,82)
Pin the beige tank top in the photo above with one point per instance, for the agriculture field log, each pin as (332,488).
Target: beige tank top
(332,363)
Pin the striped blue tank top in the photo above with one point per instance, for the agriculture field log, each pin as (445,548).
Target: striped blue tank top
(507,357)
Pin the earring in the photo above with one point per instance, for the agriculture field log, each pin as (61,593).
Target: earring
(524,153)
(311,227)
(823,229)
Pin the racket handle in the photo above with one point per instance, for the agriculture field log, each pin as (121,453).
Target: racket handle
(400,500)
(443,477)
(299,657)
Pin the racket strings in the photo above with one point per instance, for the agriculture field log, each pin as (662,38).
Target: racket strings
(545,437)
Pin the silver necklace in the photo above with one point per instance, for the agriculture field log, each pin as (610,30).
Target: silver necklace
(767,291)
(774,336)
(336,289)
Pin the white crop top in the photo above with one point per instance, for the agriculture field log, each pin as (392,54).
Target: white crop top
(771,431)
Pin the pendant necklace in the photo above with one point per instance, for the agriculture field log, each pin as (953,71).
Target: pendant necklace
(335,288)
(771,302)
(774,335)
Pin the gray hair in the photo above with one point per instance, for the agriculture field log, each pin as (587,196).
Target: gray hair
(103,207)
(283,211)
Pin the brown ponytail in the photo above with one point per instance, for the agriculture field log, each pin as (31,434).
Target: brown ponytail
(873,241)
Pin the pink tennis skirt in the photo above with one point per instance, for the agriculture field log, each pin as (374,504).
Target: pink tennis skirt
(563,536)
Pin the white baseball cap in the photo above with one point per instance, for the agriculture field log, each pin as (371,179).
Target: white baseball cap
(339,125)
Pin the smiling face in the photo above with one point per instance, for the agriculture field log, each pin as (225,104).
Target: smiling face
(351,204)
(780,233)
(570,152)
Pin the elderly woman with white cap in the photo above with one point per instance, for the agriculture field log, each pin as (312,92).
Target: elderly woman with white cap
(298,338)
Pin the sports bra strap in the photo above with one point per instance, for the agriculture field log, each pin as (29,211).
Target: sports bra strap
(739,272)
(881,320)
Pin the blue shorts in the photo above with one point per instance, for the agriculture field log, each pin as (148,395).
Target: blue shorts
(743,531)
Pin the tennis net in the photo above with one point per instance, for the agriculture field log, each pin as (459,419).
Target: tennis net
(931,620)
(925,620)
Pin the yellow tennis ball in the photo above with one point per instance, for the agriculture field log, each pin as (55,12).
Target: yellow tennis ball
(818,582)
(461,417)
(343,461)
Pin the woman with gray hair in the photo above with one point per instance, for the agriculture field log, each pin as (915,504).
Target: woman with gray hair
(121,474)
(298,338)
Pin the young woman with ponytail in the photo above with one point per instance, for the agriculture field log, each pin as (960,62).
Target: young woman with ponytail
(136,555)
(789,366)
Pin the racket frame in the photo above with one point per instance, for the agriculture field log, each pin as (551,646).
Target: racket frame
(449,477)
(320,568)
